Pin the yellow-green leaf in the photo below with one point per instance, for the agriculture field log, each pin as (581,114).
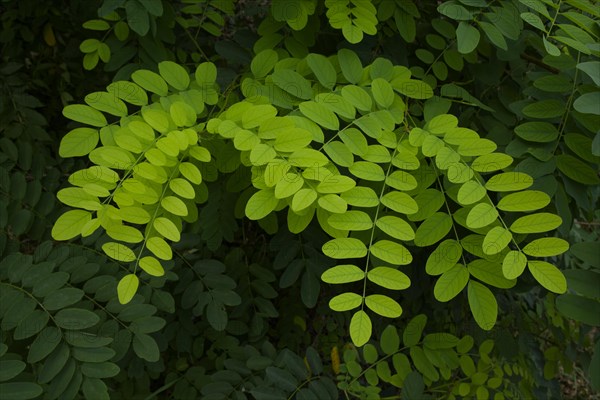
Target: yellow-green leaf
(483,304)
(152,266)
(391,252)
(536,223)
(118,252)
(514,264)
(360,328)
(496,240)
(261,204)
(70,224)
(345,301)
(509,182)
(389,278)
(341,248)
(451,283)
(546,247)
(345,273)
(383,305)
(527,200)
(127,288)
(548,276)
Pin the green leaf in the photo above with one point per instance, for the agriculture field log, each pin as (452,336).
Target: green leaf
(345,301)
(342,274)
(257,115)
(382,92)
(514,264)
(350,65)
(206,75)
(306,158)
(367,171)
(391,252)
(491,162)
(261,204)
(341,248)
(107,102)
(150,81)
(361,197)
(99,370)
(401,180)
(527,200)
(546,247)
(263,63)
(339,153)
(545,109)
(414,329)
(360,328)
(174,74)
(70,224)
(413,88)
(20,390)
(444,257)
(75,318)
(84,114)
(577,170)
(323,69)
(292,83)
(383,305)
(10,368)
(400,202)
(320,114)
(470,192)
(390,340)
(389,278)
(592,69)
(509,182)
(167,228)
(490,273)
(536,223)
(483,304)
(477,147)
(548,276)
(118,252)
(41,346)
(293,139)
(433,229)
(128,91)
(145,347)
(496,240)
(579,308)
(127,288)
(481,215)
(467,38)
(352,220)
(493,34)
(395,227)
(588,103)
(451,283)
(358,97)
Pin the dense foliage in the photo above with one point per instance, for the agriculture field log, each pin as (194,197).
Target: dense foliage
(299,199)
